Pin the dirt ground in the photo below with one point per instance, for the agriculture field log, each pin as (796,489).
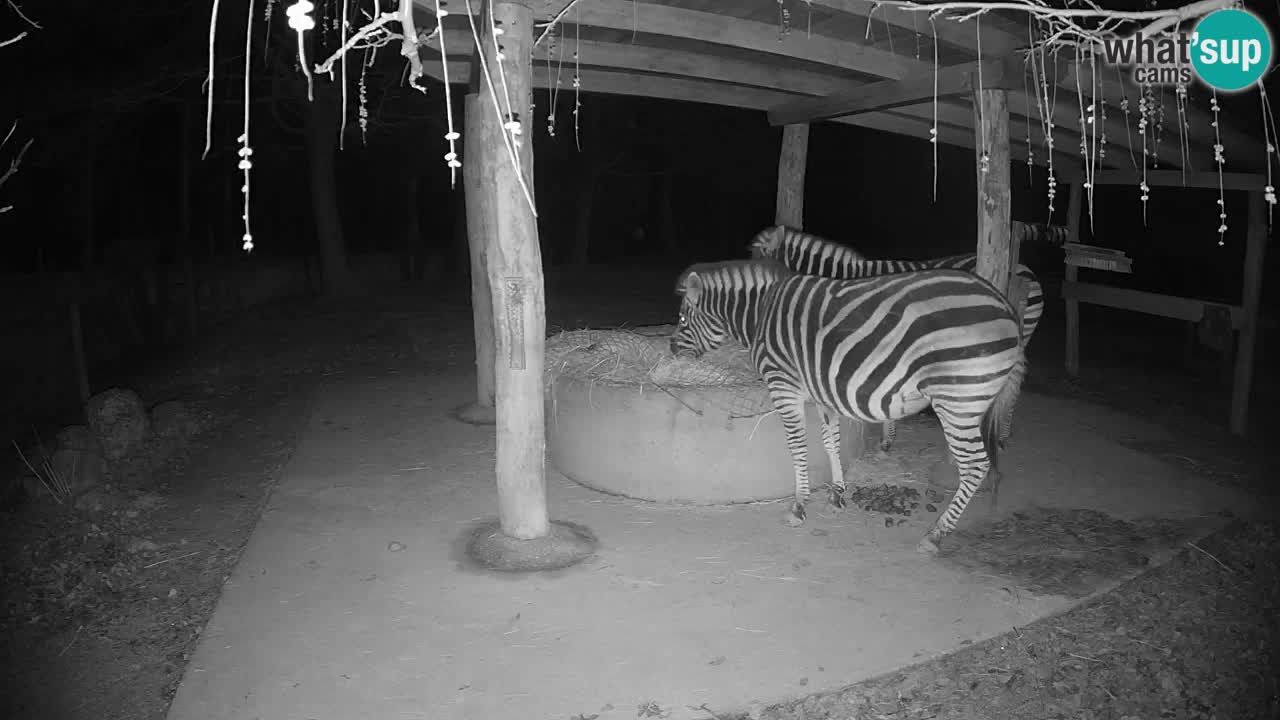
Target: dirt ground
(101,609)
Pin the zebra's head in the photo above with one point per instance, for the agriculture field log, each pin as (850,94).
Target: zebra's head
(699,331)
(768,243)
(721,300)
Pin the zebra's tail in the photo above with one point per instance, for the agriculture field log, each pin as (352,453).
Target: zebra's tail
(995,422)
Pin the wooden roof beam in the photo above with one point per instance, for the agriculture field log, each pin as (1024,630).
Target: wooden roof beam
(960,115)
(1252,182)
(688,90)
(952,81)
(716,29)
(680,63)
(746,73)
(894,122)
(996,39)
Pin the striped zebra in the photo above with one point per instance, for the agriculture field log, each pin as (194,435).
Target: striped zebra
(812,255)
(874,349)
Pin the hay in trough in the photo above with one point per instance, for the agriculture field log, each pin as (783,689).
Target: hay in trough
(1065,552)
(642,357)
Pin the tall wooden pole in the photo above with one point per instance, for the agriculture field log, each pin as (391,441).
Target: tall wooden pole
(792,162)
(1254,254)
(1074,202)
(991,131)
(514,264)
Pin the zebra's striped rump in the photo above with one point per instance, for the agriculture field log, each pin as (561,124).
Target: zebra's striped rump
(872,349)
(812,255)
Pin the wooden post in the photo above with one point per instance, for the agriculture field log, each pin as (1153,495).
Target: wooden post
(792,161)
(991,132)
(77,352)
(482,145)
(1253,262)
(514,265)
(1074,202)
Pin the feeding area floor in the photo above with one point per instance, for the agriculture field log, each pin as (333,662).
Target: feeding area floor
(353,598)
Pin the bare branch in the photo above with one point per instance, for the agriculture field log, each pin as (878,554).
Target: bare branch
(353,43)
(1158,19)
(13,39)
(18,10)
(15,163)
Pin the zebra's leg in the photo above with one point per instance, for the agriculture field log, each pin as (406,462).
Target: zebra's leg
(964,439)
(791,412)
(831,439)
(889,433)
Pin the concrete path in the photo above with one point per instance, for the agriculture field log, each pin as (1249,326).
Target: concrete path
(351,602)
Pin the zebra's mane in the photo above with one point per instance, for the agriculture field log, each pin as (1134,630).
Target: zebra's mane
(814,245)
(735,274)
(780,241)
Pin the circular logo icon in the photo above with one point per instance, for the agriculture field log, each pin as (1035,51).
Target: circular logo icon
(1232,49)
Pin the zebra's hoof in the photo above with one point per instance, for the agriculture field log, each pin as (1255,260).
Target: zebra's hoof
(885,446)
(795,518)
(927,546)
(836,496)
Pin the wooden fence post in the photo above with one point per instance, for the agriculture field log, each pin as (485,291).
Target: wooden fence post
(792,162)
(991,130)
(1254,254)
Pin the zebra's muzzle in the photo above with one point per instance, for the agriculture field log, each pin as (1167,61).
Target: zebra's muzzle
(679,350)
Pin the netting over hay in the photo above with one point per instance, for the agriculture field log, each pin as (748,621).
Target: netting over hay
(723,378)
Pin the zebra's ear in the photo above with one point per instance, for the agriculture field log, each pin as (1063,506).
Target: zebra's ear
(775,237)
(692,288)
(766,242)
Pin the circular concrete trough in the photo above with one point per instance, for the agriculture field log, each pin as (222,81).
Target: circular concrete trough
(676,444)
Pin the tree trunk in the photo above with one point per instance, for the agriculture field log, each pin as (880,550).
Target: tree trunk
(514,262)
(321,127)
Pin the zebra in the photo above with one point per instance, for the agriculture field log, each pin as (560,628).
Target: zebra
(875,349)
(813,255)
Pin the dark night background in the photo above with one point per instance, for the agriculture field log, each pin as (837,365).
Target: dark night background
(111,93)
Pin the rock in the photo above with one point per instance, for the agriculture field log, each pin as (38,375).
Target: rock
(172,419)
(78,437)
(120,421)
(1170,682)
(140,545)
(97,501)
(78,469)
